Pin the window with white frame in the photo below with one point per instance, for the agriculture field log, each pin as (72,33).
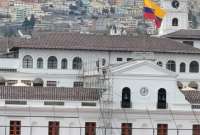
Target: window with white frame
(27,61)
(51,83)
(52,62)
(64,64)
(77,63)
(39,63)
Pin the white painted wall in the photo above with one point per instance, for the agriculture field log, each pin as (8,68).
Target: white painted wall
(153,78)
(181,13)
(73,118)
(66,77)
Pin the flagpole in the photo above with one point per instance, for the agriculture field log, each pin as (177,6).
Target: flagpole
(144,23)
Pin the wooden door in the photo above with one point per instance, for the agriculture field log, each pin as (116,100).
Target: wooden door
(53,128)
(90,128)
(162,129)
(126,128)
(15,127)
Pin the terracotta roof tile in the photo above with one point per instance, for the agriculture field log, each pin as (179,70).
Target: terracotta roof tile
(49,93)
(185,34)
(76,41)
(193,96)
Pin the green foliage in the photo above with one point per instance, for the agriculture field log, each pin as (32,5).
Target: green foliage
(28,25)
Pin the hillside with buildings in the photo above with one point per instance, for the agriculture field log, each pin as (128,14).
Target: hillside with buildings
(80,15)
(194,14)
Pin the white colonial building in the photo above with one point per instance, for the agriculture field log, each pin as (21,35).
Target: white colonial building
(69,83)
(176,17)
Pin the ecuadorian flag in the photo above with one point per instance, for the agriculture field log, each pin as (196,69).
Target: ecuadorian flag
(153,11)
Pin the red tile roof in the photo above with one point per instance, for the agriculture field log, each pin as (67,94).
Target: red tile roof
(184,34)
(76,41)
(49,93)
(192,96)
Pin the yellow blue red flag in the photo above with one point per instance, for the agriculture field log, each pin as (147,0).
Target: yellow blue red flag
(152,11)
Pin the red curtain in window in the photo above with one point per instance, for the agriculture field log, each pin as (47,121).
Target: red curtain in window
(15,127)
(126,128)
(90,128)
(53,128)
(162,129)
(196,130)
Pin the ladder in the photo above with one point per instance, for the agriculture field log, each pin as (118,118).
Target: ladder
(101,79)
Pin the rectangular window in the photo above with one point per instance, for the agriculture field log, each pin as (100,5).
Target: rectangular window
(126,129)
(90,128)
(119,59)
(78,84)
(88,104)
(53,128)
(51,83)
(27,82)
(189,42)
(2,83)
(54,103)
(15,127)
(128,59)
(196,130)
(11,82)
(162,129)
(15,102)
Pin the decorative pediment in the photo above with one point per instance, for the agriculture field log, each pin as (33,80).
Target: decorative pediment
(141,67)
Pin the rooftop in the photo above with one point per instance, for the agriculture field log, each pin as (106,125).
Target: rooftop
(192,96)
(76,41)
(185,34)
(49,93)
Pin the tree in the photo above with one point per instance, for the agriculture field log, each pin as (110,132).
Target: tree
(112,10)
(32,21)
(26,24)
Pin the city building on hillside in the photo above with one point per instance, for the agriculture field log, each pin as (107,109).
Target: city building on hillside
(20,10)
(59,83)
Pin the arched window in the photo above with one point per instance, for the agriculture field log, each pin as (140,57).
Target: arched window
(39,63)
(162,103)
(52,62)
(38,82)
(193,84)
(182,67)
(175,22)
(171,65)
(179,85)
(77,63)
(27,61)
(159,63)
(194,67)
(126,98)
(64,64)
